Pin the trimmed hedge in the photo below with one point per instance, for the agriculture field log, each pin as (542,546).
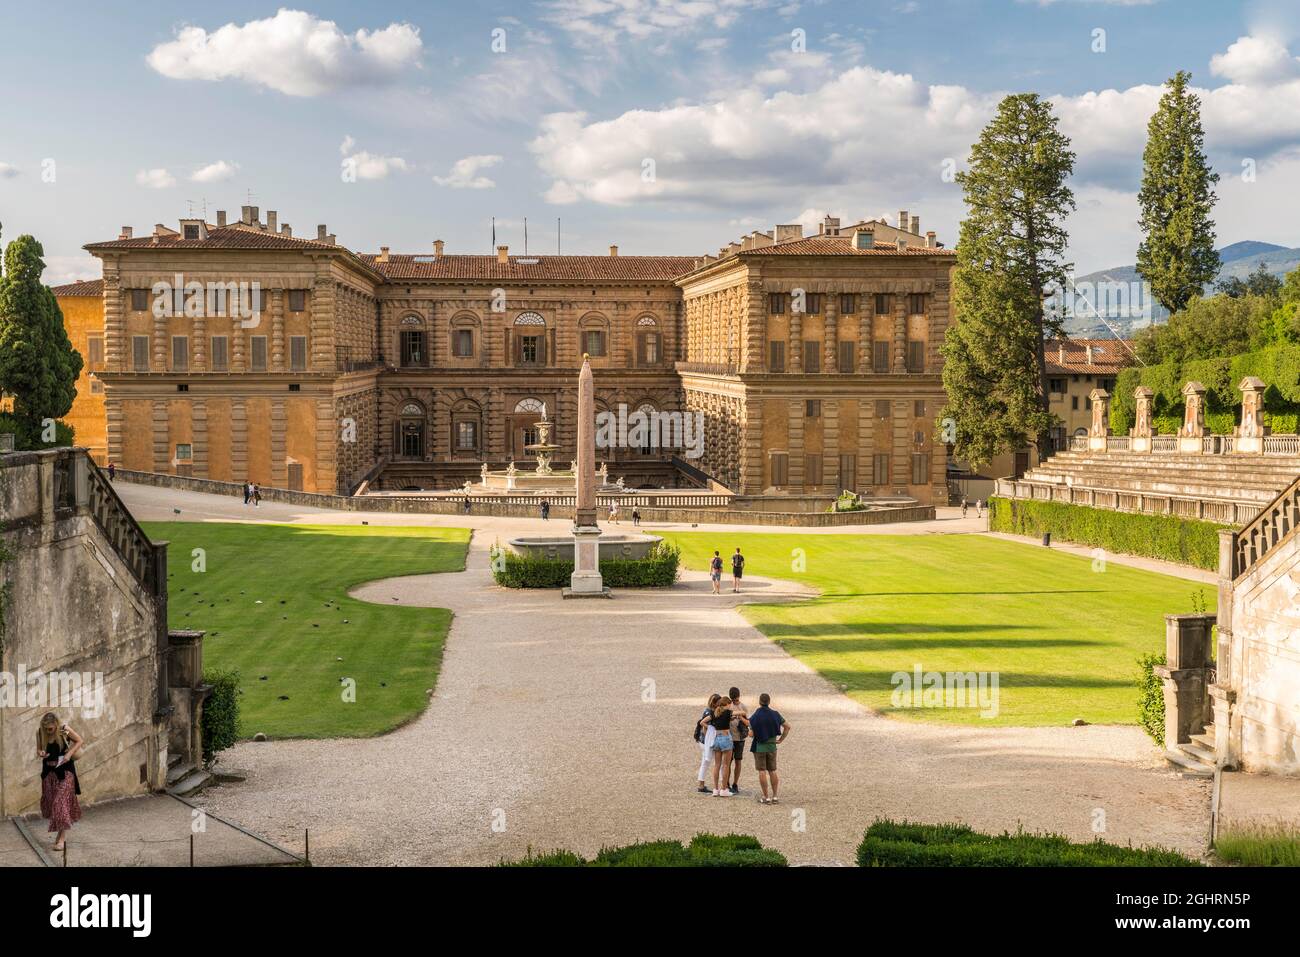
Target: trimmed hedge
(705,850)
(658,569)
(220,728)
(902,844)
(1151,697)
(1182,540)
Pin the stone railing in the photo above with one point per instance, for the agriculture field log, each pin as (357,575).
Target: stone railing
(1256,539)
(1282,445)
(121,529)
(706,368)
(1220,511)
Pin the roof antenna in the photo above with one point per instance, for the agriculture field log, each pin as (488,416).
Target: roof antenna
(494,233)
(525,235)
(557,235)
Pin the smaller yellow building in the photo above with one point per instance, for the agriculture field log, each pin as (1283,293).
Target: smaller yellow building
(82,304)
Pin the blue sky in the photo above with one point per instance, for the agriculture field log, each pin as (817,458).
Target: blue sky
(746,112)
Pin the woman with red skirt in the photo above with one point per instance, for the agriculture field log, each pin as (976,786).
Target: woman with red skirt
(57,745)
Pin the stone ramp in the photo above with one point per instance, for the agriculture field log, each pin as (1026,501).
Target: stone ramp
(150,831)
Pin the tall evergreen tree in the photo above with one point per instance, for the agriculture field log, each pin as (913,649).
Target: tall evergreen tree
(1177,254)
(1010,255)
(38,365)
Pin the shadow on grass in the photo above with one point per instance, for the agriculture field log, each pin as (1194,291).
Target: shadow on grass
(881,680)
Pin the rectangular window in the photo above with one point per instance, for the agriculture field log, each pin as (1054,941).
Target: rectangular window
(1074,403)
(812,356)
(94,353)
(882,408)
(880,356)
(849,472)
(298,353)
(467,435)
(529,348)
(1056,385)
(648,348)
(463,343)
(180,353)
(257,346)
(921,468)
(220,353)
(140,353)
(848,355)
(882,303)
(184,452)
(916,356)
(412,347)
(813,303)
(916,304)
(812,408)
(593,342)
(848,303)
(776,303)
(812,471)
(776,356)
(918,408)
(880,468)
(297,300)
(780,468)
(139,300)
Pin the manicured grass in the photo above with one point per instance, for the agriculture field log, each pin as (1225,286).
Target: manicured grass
(273,601)
(1062,637)
(1261,847)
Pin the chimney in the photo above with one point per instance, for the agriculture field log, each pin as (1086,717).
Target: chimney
(437,248)
(332,239)
(613,250)
(272,217)
(1060,351)
(789,231)
(503,254)
(930,240)
(253,217)
(321,230)
(1088,351)
(916,225)
(126,232)
(902,244)
(221,217)
(902,220)
(383,254)
(245,214)
(285,231)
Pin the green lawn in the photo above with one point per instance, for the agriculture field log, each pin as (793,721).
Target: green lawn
(273,601)
(1063,638)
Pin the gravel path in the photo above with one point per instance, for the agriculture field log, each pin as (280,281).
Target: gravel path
(566,723)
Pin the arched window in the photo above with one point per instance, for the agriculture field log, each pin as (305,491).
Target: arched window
(529,319)
(649,427)
(529,405)
(410,431)
(530,340)
(649,346)
(593,332)
(464,335)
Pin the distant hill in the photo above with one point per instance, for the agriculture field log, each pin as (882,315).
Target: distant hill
(1124,309)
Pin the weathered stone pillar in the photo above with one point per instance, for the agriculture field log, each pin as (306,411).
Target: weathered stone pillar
(1140,434)
(1100,427)
(1193,429)
(1185,675)
(1250,434)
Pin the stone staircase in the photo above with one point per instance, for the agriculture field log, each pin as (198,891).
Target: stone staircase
(1195,758)
(184,780)
(1238,477)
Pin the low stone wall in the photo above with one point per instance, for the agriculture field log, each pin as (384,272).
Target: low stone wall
(484,505)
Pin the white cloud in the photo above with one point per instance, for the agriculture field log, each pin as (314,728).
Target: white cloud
(8,171)
(293,52)
(155,178)
(606,21)
(364,165)
(465,173)
(61,270)
(1255,60)
(217,172)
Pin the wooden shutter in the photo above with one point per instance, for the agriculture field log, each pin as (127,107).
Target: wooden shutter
(882,408)
(848,355)
(180,353)
(812,357)
(849,472)
(776,356)
(140,353)
(812,471)
(916,356)
(880,469)
(880,356)
(257,348)
(220,353)
(780,468)
(297,353)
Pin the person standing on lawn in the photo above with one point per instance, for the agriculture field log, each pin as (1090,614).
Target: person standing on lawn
(768,729)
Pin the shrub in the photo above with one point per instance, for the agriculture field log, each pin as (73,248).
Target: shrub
(705,850)
(903,844)
(220,713)
(1182,540)
(1151,697)
(658,569)
(25,441)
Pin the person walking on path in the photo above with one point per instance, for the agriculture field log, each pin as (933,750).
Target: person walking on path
(979,508)
(57,745)
(737,570)
(248,492)
(739,731)
(636,515)
(466,504)
(704,734)
(257,495)
(715,573)
(613,512)
(963,508)
(768,729)
(112,471)
(546,510)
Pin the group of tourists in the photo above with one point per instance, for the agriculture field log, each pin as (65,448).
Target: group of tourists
(252,494)
(979,508)
(721,732)
(737,571)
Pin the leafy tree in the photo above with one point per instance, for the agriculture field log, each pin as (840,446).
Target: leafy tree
(38,365)
(1010,255)
(1259,283)
(1177,254)
(1210,328)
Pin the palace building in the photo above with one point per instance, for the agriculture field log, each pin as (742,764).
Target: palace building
(238,351)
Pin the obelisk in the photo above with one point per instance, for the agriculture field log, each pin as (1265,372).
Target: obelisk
(586,580)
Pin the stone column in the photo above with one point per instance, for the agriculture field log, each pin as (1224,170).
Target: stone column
(796,334)
(1189,436)
(277,330)
(1250,434)
(1100,427)
(830,334)
(586,580)
(117,350)
(899,301)
(1185,676)
(1140,434)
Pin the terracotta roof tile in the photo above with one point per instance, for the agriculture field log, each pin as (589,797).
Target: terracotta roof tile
(532,268)
(219,237)
(86,287)
(839,246)
(1108,355)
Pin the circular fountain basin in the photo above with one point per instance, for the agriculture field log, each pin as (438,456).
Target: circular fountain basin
(561,546)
